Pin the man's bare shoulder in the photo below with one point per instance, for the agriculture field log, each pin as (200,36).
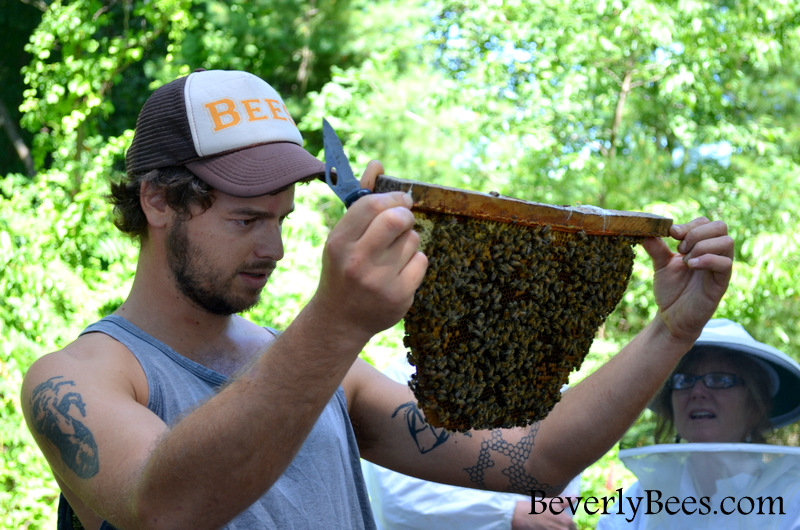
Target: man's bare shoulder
(85,406)
(92,357)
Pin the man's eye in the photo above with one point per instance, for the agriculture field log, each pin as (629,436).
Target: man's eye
(244,222)
(282,219)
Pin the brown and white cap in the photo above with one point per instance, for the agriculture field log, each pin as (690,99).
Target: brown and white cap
(230,128)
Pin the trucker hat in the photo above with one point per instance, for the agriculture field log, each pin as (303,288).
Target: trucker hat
(230,128)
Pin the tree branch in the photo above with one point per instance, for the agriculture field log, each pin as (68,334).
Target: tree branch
(623,97)
(41,5)
(11,130)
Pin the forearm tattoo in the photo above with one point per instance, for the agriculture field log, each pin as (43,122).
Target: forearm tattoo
(517,454)
(425,436)
(54,417)
(495,447)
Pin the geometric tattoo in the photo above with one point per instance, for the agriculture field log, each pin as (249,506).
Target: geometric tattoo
(425,436)
(517,454)
(53,417)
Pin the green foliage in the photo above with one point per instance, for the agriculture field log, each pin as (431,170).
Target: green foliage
(79,52)
(654,106)
(290,43)
(59,269)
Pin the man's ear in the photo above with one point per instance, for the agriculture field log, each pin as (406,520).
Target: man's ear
(154,205)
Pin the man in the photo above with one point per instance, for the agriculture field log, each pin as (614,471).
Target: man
(174,412)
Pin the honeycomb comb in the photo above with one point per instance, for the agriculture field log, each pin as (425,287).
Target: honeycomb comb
(514,294)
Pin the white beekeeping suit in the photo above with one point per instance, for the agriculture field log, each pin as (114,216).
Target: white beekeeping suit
(709,486)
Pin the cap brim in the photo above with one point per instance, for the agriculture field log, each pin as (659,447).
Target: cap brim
(257,170)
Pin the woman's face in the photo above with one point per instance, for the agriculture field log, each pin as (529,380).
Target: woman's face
(704,414)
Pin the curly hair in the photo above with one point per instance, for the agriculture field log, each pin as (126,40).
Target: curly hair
(756,382)
(182,190)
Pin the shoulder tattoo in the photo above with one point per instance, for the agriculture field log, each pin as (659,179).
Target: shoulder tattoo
(55,410)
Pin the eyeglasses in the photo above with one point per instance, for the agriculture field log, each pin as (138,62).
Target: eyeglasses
(714,380)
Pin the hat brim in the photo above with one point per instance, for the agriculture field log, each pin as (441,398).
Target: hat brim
(257,170)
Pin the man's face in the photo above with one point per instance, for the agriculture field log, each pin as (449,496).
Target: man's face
(222,258)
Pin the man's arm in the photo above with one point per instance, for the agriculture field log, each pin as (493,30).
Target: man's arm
(84,407)
(589,419)
(135,471)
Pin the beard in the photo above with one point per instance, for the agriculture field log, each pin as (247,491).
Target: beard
(207,287)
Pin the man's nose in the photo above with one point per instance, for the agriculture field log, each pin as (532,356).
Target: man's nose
(269,242)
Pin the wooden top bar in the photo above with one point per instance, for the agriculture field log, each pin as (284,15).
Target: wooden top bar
(589,219)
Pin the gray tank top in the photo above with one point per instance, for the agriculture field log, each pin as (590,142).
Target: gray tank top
(323,486)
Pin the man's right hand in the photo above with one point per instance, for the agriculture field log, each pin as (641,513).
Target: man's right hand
(371,265)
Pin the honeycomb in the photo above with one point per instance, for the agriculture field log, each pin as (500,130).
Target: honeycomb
(504,314)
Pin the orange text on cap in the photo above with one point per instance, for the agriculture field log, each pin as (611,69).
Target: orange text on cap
(225,113)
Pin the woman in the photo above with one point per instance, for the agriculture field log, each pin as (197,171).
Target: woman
(724,395)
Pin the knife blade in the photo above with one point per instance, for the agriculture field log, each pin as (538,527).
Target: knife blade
(338,173)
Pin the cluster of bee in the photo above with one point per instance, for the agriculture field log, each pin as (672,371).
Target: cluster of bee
(504,314)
